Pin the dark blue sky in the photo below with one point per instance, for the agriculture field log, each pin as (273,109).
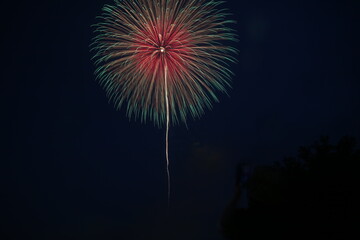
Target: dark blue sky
(74,168)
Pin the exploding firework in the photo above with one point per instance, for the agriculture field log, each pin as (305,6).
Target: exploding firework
(164,59)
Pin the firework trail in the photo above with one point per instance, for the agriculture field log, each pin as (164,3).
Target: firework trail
(163,59)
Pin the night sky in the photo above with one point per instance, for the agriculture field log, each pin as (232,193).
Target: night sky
(72,167)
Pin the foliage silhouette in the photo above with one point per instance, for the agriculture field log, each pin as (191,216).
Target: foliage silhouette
(311,193)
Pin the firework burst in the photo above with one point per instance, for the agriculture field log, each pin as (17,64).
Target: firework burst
(163,59)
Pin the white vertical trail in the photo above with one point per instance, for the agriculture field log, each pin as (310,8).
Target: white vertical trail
(167,133)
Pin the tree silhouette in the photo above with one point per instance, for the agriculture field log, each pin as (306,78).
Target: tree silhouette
(311,193)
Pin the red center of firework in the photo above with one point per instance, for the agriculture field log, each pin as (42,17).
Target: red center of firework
(157,46)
